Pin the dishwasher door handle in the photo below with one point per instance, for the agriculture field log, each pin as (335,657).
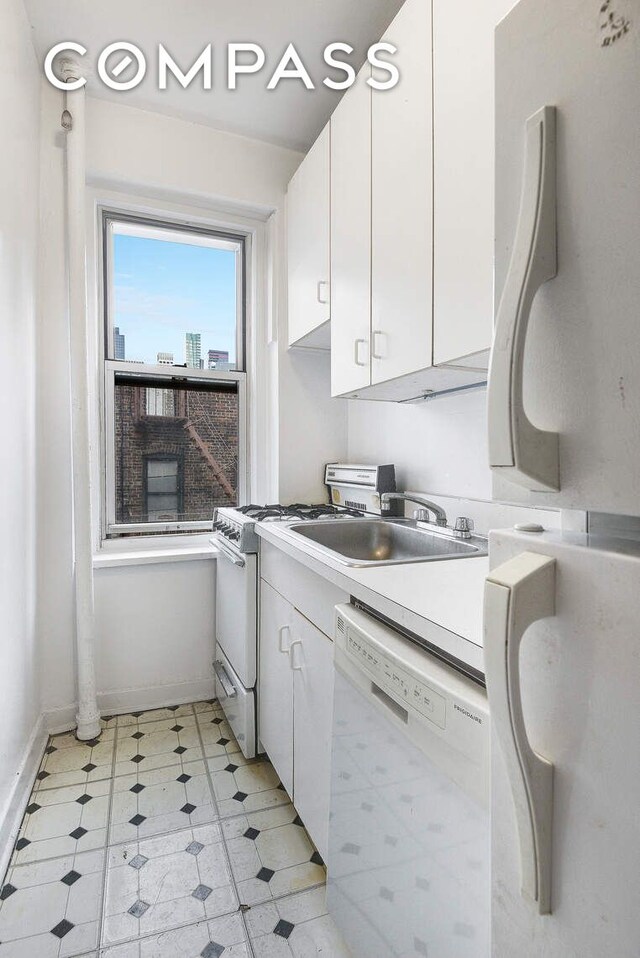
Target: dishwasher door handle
(224,680)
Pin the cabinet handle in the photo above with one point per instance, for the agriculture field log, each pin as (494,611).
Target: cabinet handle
(517,594)
(356,351)
(519,450)
(281,632)
(294,668)
(322,283)
(376,354)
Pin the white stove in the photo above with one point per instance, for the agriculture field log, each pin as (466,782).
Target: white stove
(235,664)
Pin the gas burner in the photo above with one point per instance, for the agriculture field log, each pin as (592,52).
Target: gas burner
(297,510)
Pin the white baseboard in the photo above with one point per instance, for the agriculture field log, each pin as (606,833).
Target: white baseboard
(11,817)
(128,700)
(115,703)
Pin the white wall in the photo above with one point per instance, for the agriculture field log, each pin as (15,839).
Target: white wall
(180,163)
(19,692)
(438,446)
(155,628)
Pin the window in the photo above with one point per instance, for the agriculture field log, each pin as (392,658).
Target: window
(163,493)
(174,375)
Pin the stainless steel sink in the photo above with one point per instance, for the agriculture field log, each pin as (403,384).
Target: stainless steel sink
(368,542)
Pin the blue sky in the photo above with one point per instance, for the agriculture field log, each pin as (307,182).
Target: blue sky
(163,290)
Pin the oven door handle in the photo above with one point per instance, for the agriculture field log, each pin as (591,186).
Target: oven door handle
(228,553)
(226,683)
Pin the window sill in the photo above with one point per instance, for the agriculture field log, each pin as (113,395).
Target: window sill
(112,560)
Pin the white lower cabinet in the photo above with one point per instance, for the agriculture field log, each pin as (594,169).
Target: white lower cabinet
(295,690)
(312,662)
(275,689)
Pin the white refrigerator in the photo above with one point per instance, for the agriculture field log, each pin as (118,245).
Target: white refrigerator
(562,610)
(564,386)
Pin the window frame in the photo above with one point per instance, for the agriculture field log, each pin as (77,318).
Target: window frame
(162,373)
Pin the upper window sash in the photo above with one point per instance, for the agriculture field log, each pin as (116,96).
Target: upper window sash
(123,224)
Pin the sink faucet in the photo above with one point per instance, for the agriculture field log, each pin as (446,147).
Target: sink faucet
(427,505)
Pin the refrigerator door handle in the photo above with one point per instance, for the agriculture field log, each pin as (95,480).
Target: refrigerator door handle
(521,452)
(518,593)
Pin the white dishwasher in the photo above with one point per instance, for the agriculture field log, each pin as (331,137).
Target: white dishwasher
(409,834)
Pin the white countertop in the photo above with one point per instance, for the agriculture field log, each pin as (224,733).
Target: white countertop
(446,593)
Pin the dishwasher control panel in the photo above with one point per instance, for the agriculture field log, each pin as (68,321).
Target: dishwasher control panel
(391,676)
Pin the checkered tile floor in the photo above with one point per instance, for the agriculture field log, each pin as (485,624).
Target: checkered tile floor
(160,840)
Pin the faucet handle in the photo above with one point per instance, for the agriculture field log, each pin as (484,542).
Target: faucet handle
(462,527)
(421,515)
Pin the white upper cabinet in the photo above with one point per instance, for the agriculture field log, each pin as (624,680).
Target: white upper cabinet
(401,261)
(351,239)
(463,178)
(308,247)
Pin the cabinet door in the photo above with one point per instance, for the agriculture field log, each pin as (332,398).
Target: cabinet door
(312,661)
(275,685)
(463,175)
(401,270)
(351,238)
(308,242)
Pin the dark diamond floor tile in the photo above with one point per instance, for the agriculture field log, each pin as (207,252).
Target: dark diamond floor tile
(223,741)
(137,820)
(212,950)
(137,788)
(217,721)
(7,891)
(84,799)
(138,735)
(180,750)
(32,808)
(138,862)
(138,908)
(240,796)
(316,859)
(62,928)
(71,878)
(265,874)
(22,843)
(89,767)
(78,833)
(231,768)
(188,808)
(176,728)
(194,848)
(202,892)
(137,759)
(252,833)
(184,778)
(283,928)
(42,775)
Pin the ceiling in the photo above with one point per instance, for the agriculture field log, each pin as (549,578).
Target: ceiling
(290,115)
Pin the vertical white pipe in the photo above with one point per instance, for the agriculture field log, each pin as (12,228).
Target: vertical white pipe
(88,717)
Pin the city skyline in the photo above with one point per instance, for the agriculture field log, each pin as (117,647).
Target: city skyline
(164,290)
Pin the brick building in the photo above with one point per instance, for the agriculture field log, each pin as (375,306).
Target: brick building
(176,453)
